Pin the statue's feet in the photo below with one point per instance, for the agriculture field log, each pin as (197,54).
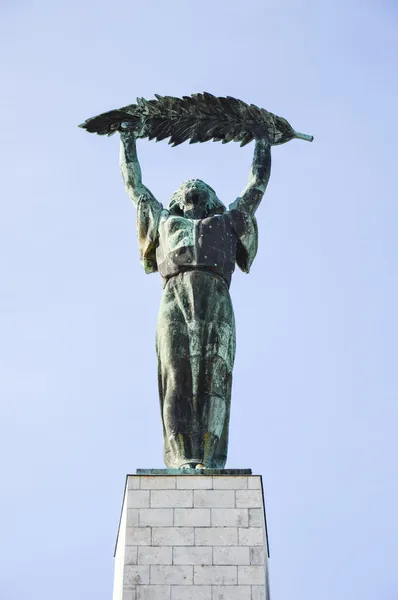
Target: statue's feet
(188,466)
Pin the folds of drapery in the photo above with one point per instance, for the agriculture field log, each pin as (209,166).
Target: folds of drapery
(150,211)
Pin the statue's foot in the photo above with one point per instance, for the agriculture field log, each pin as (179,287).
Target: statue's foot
(188,466)
(200,466)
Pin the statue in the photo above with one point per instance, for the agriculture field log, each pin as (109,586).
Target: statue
(195,243)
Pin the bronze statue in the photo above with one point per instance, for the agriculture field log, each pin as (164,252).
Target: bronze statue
(194,244)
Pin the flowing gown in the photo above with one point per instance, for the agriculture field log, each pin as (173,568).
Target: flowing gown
(195,336)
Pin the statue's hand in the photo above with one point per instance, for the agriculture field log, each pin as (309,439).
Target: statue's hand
(128,132)
(130,129)
(130,125)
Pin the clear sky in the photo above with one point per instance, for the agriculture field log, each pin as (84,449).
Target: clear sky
(314,406)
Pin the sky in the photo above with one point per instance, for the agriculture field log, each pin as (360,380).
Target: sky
(314,402)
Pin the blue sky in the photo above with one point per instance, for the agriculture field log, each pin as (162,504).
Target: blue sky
(314,406)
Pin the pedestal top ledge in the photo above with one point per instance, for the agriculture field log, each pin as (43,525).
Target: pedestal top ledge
(194,472)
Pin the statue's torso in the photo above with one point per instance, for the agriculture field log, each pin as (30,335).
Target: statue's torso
(186,244)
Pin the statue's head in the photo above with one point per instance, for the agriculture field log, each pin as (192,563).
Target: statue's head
(196,200)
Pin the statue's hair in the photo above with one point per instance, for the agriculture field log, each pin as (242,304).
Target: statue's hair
(213,205)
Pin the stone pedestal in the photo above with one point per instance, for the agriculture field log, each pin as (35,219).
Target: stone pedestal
(192,537)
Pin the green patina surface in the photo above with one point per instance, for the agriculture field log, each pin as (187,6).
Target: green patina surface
(231,472)
(197,118)
(195,243)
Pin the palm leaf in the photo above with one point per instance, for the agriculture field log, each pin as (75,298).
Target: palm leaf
(196,118)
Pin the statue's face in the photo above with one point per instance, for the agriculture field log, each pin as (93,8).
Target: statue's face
(194,198)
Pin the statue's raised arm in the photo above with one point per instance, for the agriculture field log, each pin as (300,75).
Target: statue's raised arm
(149,210)
(260,172)
(131,169)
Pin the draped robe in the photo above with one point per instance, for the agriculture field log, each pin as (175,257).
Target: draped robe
(195,336)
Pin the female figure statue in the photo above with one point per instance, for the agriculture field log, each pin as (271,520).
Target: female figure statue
(194,244)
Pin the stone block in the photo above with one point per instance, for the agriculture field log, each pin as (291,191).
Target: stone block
(192,517)
(171,574)
(229,517)
(156,517)
(138,499)
(153,592)
(257,555)
(129,594)
(251,536)
(214,498)
(133,482)
(249,499)
(192,482)
(230,483)
(256,517)
(254,482)
(189,592)
(258,592)
(192,555)
(231,555)
(130,555)
(171,498)
(157,482)
(204,575)
(216,536)
(251,575)
(132,517)
(172,536)
(135,575)
(138,536)
(232,592)
(155,555)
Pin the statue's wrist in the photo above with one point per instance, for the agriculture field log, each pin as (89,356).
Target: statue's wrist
(128,135)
